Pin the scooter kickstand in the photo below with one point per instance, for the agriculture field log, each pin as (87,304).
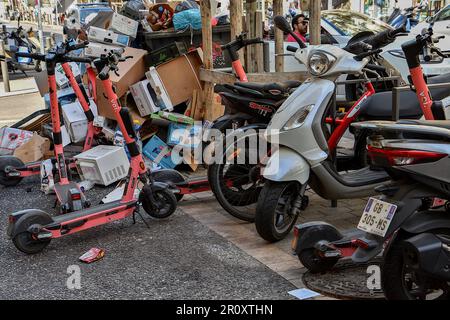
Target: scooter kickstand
(139,213)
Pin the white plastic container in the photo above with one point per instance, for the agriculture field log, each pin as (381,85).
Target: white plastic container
(103,164)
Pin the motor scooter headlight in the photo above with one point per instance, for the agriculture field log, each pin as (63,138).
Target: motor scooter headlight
(319,63)
(298,118)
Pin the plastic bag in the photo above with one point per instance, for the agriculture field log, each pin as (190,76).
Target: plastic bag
(187,19)
(186,5)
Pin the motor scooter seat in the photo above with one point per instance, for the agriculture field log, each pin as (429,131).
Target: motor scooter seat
(445,124)
(274,86)
(379,105)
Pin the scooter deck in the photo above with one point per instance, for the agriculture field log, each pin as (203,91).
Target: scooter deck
(103,208)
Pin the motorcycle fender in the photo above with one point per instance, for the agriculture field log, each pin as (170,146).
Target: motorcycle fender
(16,226)
(424,222)
(287,165)
(158,185)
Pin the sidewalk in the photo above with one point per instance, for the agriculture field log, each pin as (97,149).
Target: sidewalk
(23,100)
(26,24)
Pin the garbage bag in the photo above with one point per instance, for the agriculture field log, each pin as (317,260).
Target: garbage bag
(186,5)
(187,19)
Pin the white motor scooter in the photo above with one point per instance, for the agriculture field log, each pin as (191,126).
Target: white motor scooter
(304,156)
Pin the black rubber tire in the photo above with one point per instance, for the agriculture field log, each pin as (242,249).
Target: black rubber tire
(166,204)
(25,242)
(169,176)
(392,274)
(13,162)
(266,210)
(314,263)
(216,187)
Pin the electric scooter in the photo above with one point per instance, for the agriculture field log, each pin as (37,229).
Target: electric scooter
(68,193)
(12,169)
(31,230)
(409,152)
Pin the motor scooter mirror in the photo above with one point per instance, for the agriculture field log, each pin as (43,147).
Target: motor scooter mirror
(282,24)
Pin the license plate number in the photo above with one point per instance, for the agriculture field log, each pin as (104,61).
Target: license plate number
(377,217)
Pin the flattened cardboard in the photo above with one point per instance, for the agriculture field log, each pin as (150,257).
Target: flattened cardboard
(181,76)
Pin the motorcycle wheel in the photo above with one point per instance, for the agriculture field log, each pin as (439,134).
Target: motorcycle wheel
(400,282)
(235,182)
(274,217)
(8,161)
(314,263)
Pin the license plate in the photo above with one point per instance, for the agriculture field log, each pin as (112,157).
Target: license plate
(377,217)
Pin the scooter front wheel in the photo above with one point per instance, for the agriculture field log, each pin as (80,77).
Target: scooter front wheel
(277,209)
(13,162)
(163,206)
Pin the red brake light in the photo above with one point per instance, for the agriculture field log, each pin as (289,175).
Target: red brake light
(296,232)
(360,243)
(76,196)
(401,157)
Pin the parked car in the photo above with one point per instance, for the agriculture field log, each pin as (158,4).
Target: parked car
(339,26)
(441,26)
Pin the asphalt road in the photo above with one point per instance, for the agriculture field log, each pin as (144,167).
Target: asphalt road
(176,258)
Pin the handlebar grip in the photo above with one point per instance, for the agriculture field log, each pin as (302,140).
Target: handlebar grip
(104,73)
(384,38)
(291,48)
(253,41)
(375,67)
(78,46)
(78,59)
(361,56)
(35,56)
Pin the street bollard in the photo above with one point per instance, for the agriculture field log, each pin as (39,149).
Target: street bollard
(4,64)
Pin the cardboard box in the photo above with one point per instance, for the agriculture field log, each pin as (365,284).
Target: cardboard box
(180,88)
(95,49)
(60,76)
(11,139)
(124,25)
(76,121)
(107,36)
(145,98)
(160,153)
(130,71)
(33,150)
(159,88)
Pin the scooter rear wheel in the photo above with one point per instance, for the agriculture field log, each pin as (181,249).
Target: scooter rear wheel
(314,263)
(9,161)
(164,205)
(25,241)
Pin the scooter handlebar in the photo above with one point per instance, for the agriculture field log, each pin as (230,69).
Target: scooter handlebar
(77,46)
(78,59)
(384,38)
(363,55)
(35,56)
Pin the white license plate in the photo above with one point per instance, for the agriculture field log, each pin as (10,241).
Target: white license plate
(377,217)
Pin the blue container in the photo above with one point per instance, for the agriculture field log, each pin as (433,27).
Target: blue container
(182,134)
(153,150)
(65,96)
